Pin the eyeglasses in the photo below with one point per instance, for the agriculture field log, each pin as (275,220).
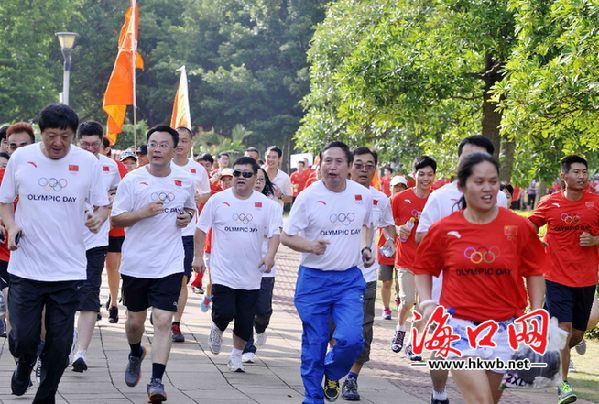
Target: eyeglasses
(360,166)
(245,174)
(162,146)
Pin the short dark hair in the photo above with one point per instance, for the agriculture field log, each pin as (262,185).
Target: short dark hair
(58,116)
(507,187)
(184,129)
(242,161)
(207,157)
(5,155)
(164,128)
(252,149)
(223,154)
(348,154)
(105,142)
(424,161)
(366,150)
(21,127)
(3,132)
(566,162)
(301,162)
(276,149)
(90,128)
(388,168)
(480,141)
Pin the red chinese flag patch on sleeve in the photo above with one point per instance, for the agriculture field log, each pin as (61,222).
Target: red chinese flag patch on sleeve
(193,171)
(178,183)
(106,168)
(258,204)
(358,197)
(73,167)
(375,201)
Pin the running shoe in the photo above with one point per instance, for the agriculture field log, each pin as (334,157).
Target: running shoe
(565,394)
(397,341)
(155,391)
(107,304)
(113,315)
(215,339)
(437,401)
(133,369)
(21,379)
(248,357)
(2,328)
(79,364)
(581,347)
(205,305)
(176,333)
(350,389)
(73,347)
(99,316)
(236,364)
(411,355)
(197,290)
(386,315)
(260,338)
(331,389)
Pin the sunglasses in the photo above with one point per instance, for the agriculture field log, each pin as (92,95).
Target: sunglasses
(245,174)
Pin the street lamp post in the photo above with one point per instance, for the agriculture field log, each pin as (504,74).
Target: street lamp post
(67,42)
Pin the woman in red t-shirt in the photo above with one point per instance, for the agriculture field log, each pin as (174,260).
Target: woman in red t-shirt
(484,253)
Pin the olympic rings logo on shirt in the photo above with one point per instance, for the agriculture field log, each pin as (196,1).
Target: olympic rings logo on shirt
(162,196)
(343,218)
(481,254)
(574,219)
(52,184)
(244,218)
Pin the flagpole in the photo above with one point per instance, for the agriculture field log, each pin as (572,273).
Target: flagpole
(134,62)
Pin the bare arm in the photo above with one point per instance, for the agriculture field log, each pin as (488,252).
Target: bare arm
(7,212)
(202,198)
(199,239)
(300,244)
(536,291)
(419,236)
(269,259)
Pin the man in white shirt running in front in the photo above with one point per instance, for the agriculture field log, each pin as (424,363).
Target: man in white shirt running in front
(330,224)
(154,203)
(202,193)
(55,183)
(241,219)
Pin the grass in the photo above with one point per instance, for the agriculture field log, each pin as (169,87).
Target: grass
(586,378)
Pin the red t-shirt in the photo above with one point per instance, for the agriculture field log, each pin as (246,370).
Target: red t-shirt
(389,261)
(312,178)
(570,264)
(294,178)
(483,265)
(411,182)
(119,231)
(386,185)
(4,251)
(406,205)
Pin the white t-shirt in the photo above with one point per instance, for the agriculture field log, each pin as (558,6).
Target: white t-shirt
(441,203)
(53,194)
(382,216)
(110,181)
(239,228)
(201,186)
(338,217)
(153,247)
(283,183)
(273,271)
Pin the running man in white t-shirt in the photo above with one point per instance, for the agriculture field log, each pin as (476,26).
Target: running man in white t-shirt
(330,224)
(362,171)
(89,137)
(277,176)
(241,219)
(153,203)
(202,194)
(59,193)
(442,203)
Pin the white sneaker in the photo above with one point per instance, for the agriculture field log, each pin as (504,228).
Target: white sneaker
(215,339)
(581,347)
(236,364)
(260,339)
(73,353)
(248,357)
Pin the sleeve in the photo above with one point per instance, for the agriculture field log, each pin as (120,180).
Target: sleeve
(533,258)
(97,192)
(286,187)
(539,216)
(204,182)
(123,200)
(275,219)
(116,179)
(430,215)
(299,217)
(206,217)
(386,213)
(429,256)
(395,208)
(8,189)
(369,216)
(502,199)
(190,202)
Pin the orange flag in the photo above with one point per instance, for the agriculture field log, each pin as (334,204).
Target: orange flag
(120,91)
(181,116)
(376,181)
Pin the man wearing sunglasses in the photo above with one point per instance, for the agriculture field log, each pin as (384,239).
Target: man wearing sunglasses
(243,218)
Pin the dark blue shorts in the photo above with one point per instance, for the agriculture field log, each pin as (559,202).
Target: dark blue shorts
(570,305)
(161,293)
(89,294)
(188,248)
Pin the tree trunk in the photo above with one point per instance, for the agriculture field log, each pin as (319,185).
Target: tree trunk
(508,148)
(491,118)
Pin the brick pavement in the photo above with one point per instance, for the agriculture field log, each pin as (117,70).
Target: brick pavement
(194,375)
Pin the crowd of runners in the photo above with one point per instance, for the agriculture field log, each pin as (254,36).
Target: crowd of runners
(163,223)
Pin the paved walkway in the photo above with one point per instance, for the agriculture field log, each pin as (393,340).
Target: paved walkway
(195,375)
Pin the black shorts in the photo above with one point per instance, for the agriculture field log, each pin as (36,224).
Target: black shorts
(188,248)
(115,243)
(234,304)
(3,275)
(570,305)
(89,294)
(161,293)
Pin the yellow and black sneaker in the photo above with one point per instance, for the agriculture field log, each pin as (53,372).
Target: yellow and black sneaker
(331,389)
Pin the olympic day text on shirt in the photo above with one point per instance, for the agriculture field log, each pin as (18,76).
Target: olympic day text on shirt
(52,199)
(337,217)
(153,246)
(239,229)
